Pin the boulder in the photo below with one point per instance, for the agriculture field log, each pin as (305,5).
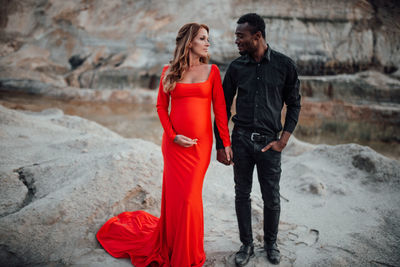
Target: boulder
(75,182)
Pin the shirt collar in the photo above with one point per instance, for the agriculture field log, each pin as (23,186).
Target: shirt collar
(267,56)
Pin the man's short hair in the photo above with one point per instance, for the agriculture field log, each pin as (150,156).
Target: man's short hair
(255,21)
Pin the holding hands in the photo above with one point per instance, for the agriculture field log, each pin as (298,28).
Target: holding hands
(225,156)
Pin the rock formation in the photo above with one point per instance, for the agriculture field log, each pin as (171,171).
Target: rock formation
(51,48)
(67,176)
(357,107)
(119,44)
(62,177)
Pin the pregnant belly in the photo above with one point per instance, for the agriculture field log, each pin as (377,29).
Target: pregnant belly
(192,118)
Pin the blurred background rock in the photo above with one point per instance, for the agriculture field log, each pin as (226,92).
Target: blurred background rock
(102,60)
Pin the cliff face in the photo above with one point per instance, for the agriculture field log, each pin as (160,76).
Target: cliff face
(131,40)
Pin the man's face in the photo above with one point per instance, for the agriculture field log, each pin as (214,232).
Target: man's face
(245,40)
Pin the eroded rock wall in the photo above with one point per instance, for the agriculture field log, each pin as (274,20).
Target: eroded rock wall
(131,40)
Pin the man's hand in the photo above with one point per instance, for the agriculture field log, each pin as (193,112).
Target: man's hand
(222,156)
(278,145)
(184,141)
(274,145)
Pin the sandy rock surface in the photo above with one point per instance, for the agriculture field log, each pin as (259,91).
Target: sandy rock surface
(68,175)
(77,175)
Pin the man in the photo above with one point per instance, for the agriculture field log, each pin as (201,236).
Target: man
(264,80)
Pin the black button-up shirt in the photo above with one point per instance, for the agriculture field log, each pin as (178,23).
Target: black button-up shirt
(262,88)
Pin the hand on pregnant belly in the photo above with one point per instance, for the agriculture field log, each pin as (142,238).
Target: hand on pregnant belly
(184,141)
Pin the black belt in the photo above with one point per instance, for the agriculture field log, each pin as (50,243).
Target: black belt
(256,136)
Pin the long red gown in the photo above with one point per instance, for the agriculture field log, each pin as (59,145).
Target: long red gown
(177,237)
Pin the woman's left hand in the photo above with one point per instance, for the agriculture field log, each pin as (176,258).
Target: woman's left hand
(229,154)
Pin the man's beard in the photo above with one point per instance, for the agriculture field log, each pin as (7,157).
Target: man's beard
(242,53)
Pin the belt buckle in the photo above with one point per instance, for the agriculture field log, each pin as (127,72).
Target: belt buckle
(253,135)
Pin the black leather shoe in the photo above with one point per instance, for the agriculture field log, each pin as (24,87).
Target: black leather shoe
(273,254)
(244,254)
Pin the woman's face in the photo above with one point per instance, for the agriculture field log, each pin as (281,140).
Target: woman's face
(200,44)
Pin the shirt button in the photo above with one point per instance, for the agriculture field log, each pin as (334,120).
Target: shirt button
(258,78)
(258,65)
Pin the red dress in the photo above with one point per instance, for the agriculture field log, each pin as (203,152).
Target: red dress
(176,238)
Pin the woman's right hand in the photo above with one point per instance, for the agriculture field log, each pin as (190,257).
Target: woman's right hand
(184,141)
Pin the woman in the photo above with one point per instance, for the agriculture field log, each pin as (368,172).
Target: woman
(176,239)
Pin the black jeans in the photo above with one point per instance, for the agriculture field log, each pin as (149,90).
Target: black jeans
(246,155)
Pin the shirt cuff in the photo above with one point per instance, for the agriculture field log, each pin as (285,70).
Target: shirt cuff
(289,126)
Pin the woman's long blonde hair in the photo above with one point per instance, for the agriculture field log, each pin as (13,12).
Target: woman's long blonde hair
(180,63)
